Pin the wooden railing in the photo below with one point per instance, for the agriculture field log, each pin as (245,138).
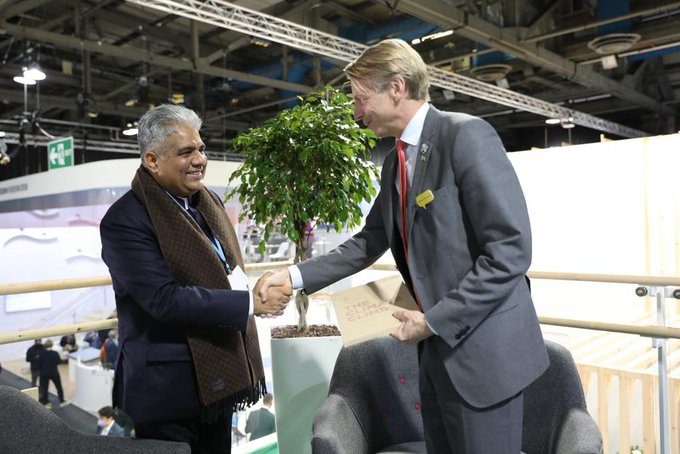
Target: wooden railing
(66,284)
(652,331)
(632,375)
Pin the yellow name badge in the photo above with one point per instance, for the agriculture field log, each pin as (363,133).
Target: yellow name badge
(424,198)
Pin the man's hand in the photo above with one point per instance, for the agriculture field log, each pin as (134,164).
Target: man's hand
(413,327)
(276,300)
(280,278)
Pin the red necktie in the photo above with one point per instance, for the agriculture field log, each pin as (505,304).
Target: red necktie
(403,192)
(403,196)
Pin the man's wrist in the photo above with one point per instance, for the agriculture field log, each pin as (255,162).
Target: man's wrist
(295,277)
(430,326)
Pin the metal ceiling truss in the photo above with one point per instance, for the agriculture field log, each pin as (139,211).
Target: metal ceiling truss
(227,15)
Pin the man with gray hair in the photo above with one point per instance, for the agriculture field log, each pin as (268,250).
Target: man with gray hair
(189,352)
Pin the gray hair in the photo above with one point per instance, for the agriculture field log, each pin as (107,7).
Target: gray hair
(160,122)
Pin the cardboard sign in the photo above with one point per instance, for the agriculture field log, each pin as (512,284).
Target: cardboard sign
(365,312)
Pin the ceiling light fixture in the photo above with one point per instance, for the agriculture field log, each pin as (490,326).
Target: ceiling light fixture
(609,62)
(24,80)
(259,41)
(131,129)
(567,123)
(552,121)
(34,72)
(431,37)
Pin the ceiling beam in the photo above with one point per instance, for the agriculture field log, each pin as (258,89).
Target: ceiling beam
(509,41)
(103,107)
(595,24)
(11,9)
(135,54)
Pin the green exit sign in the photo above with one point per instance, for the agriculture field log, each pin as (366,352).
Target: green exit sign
(60,153)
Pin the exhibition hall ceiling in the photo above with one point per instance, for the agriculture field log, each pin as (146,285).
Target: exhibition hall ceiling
(610,66)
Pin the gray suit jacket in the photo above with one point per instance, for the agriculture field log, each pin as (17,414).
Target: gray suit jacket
(469,251)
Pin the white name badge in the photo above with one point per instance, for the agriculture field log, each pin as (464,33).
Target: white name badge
(238,279)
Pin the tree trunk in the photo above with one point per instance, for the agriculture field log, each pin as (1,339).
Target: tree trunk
(301,298)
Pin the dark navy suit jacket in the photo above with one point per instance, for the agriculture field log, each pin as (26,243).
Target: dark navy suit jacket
(154,377)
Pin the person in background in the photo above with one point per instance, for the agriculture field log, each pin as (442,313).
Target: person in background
(106,423)
(111,348)
(92,338)
(124,421)
(452,211)
(33,357)
(49,371)
(68,343)
(188,347)
(261,422)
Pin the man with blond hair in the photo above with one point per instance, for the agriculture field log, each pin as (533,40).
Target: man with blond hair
(452,212)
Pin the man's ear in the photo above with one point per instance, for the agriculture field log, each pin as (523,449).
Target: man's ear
(398,87)
(151,161)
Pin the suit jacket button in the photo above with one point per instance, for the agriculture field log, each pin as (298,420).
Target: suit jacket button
(457,336)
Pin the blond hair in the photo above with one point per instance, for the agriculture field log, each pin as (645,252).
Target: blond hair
(380,63)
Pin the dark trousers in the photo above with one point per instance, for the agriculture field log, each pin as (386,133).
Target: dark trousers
(35,373)
(452,426)
(203,438)
(44,385)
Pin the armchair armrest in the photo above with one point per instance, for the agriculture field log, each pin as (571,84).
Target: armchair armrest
(579,434)
(336,429)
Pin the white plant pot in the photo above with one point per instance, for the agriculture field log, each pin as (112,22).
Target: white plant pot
(301,371)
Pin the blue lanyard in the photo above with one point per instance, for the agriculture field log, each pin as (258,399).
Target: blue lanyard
(213,241)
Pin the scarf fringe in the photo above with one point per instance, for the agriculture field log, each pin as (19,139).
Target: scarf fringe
(238,401)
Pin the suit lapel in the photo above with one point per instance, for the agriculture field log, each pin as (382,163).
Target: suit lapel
(422,161)
(390,198)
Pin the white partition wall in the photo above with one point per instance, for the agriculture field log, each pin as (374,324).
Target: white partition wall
(611,208)
(93,386)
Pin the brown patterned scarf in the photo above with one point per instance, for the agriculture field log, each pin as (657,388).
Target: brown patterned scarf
(227,363)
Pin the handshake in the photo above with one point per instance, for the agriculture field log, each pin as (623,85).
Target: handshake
(272,293)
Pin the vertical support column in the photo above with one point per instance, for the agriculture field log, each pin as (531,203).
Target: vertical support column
(317,72)
(85,99)
(199,96)
(662,347)
(662,360)
(284,63)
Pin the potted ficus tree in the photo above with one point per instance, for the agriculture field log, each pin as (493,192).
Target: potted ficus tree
(307,166)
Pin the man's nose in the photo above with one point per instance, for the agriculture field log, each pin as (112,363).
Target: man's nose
(199,158)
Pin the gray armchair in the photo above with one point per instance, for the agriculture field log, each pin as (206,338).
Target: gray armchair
(373,401)
(373,405)
(556,419)
(29,427)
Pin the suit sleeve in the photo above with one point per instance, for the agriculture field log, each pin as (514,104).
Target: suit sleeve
(492,198)
(139,272)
